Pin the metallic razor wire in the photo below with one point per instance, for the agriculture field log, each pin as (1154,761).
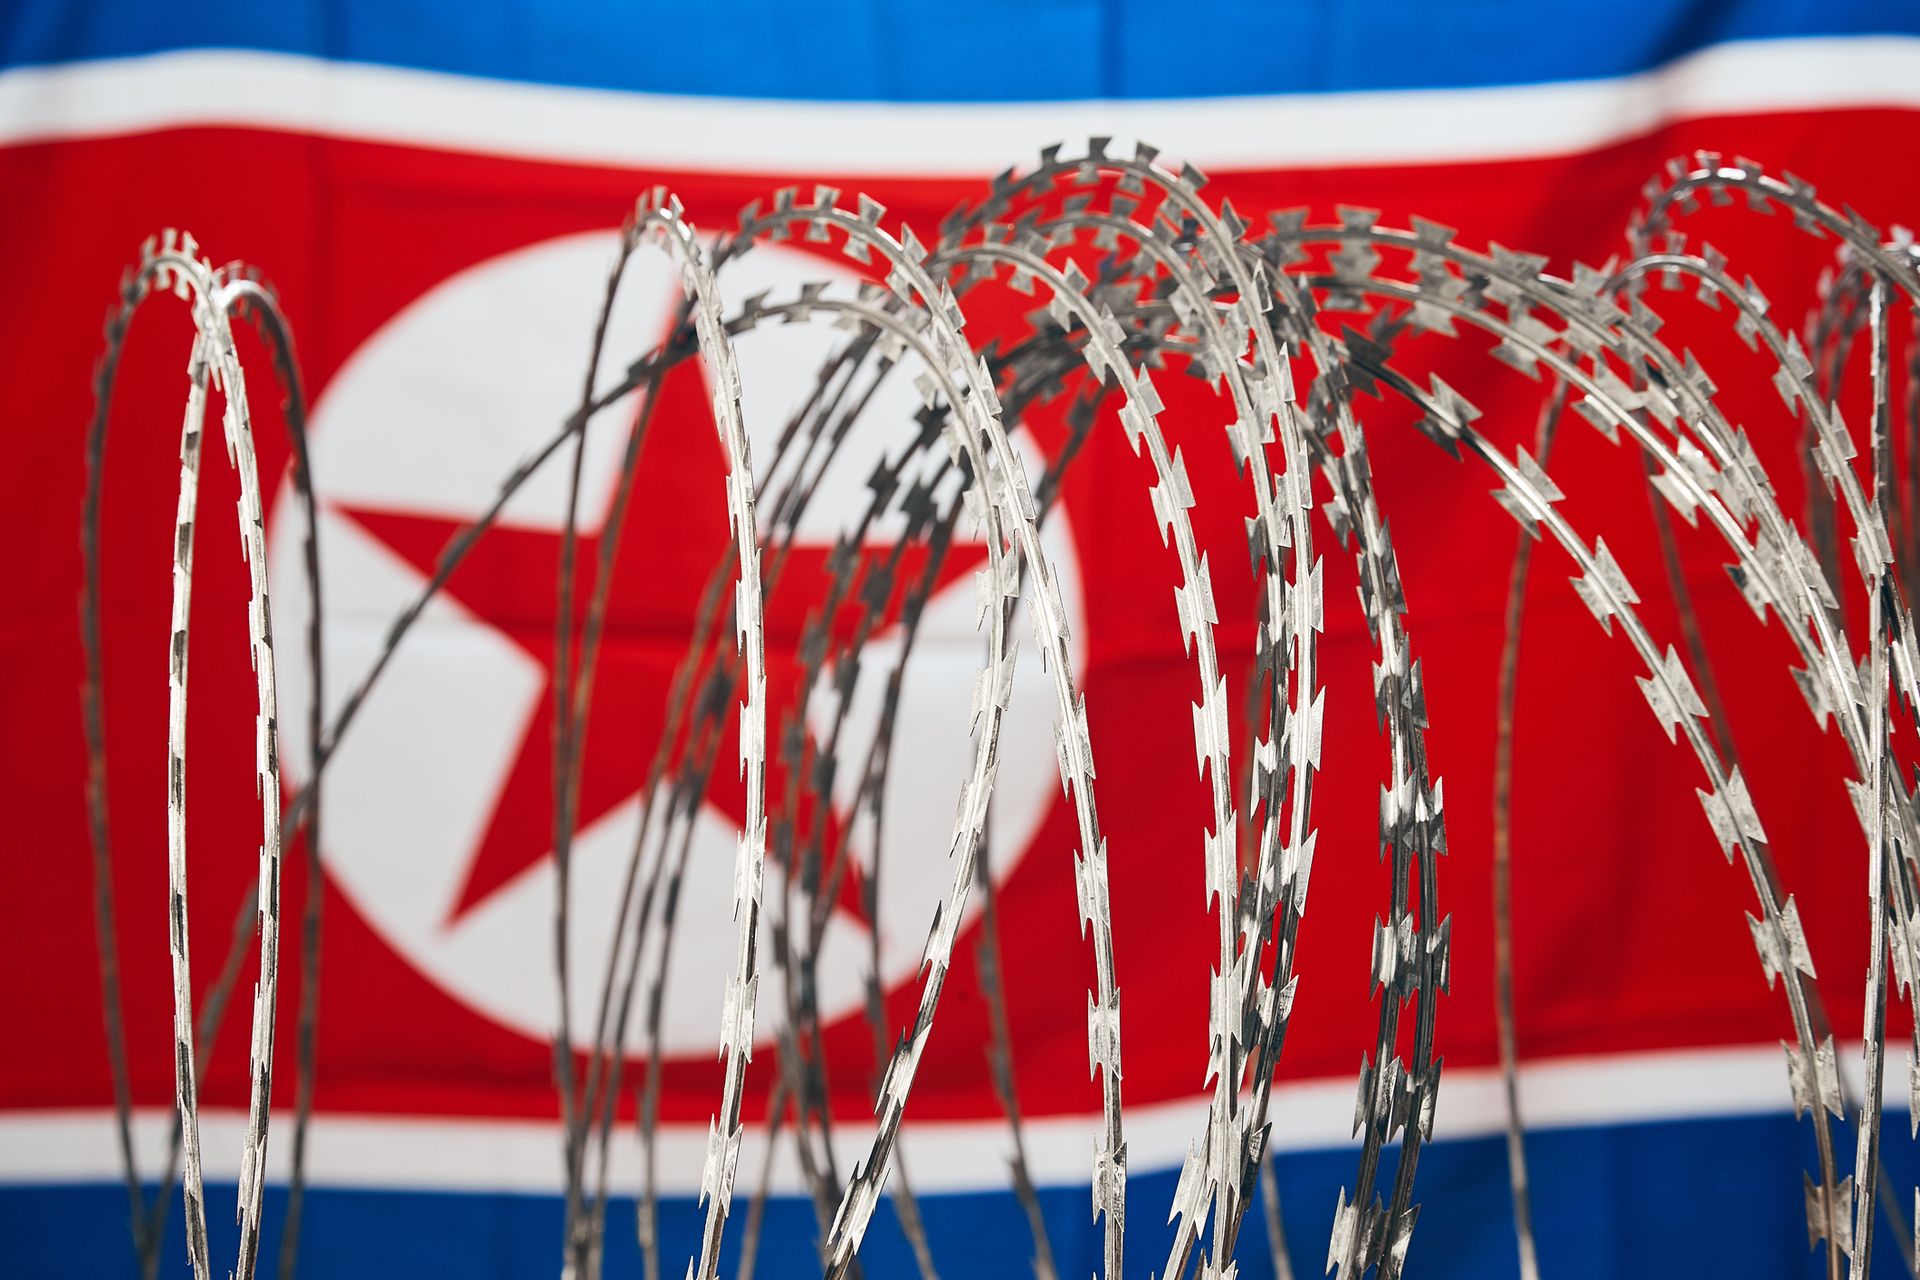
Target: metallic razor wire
(172,263)
(1135,272)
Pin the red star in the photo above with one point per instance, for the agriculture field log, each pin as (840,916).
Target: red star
(675,533)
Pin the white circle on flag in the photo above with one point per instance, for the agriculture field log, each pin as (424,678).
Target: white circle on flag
(427,418)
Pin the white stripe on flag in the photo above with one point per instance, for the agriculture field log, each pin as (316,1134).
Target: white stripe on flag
(78,1146)
(457,113)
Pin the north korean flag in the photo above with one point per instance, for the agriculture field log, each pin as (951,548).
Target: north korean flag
(436,192)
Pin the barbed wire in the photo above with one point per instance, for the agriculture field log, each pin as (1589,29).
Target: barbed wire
(1140,273)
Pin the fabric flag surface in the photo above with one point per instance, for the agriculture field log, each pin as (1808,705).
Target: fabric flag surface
(435,190)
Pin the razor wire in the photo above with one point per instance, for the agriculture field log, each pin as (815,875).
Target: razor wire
(172,263)
(1141,274)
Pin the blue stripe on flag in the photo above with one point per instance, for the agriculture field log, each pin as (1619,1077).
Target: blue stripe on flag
(1607,1202)
(986,50)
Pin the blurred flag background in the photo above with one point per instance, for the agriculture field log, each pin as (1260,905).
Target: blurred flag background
(434,189)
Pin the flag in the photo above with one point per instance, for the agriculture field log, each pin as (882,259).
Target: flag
(436,195)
